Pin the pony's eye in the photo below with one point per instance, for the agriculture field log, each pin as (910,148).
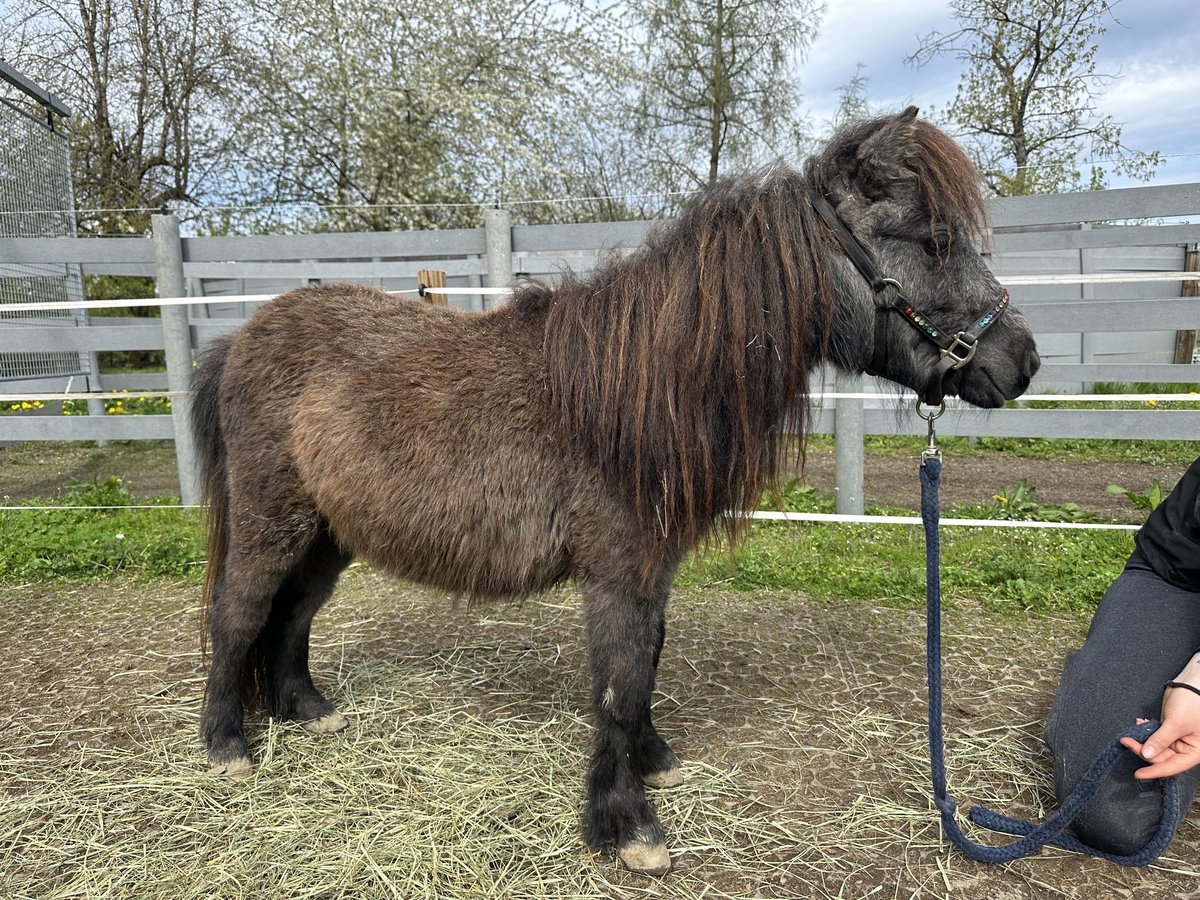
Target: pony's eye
(938,243)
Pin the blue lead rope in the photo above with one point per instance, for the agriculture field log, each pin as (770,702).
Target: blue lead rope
(1033,837)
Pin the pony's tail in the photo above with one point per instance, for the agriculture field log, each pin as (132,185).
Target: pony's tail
(210,443)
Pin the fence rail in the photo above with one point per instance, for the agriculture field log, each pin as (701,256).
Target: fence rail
(1122,332)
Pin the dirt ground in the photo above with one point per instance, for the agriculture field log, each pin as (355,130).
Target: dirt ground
(42,470)
(804,719)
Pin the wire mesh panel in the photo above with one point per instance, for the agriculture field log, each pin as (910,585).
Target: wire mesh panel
(36,200)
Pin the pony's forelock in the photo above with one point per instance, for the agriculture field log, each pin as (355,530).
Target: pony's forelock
(949,182)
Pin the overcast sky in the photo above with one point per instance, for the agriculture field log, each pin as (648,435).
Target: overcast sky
(1153,52)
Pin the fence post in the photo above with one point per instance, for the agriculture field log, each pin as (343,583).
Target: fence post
(849,426)
(95,407)
(1087,293)
(497,226)
(177,341)
(1185,339)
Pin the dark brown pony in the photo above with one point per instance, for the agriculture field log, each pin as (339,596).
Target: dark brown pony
(599,429)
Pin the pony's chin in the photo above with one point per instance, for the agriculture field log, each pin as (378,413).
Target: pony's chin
(979,388)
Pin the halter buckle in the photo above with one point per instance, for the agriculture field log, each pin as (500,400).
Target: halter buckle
(960,358)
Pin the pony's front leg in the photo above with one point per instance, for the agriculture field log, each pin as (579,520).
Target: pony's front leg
(624,635)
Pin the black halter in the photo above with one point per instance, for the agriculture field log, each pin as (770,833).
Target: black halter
(955,352)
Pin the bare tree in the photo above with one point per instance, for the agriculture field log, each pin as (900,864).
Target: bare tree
(148,81)
(719,81)
(1028,100)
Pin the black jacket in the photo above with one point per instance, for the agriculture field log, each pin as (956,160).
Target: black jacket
(1170,539)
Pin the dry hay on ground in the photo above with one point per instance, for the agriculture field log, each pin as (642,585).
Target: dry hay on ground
(801,727)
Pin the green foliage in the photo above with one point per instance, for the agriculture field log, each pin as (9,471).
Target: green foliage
(20,407)
(85,544)
(1148,501)
(796,496)
(1145,387)
(131,406)
(124,287)
(1019,502)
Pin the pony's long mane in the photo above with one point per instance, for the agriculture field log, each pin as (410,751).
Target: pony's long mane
(676,367)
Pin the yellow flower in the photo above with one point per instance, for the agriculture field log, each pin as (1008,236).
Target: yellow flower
(25,404)
(999,499)
(1152,403)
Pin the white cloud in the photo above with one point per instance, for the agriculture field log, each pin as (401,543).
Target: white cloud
(1156,101)
(1153,51)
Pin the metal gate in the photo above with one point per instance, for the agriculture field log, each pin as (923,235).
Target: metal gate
(36,200)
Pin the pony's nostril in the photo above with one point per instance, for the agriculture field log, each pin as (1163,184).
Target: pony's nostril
(1032,363)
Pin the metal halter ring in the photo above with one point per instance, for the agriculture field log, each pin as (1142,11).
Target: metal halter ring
(932,414)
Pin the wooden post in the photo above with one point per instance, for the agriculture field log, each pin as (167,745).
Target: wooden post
(1185,340)
(177,341)
(433,278)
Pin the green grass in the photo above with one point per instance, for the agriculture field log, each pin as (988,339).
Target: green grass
(1173,454)
(71,544)
(1010,570)
(1013,570)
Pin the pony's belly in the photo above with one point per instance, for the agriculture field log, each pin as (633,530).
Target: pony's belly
(486,556)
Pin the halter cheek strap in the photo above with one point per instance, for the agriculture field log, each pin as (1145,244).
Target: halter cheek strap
(954,351)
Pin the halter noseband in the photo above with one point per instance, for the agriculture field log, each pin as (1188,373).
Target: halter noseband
(955,351)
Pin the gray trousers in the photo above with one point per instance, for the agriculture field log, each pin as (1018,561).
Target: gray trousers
(1143,633)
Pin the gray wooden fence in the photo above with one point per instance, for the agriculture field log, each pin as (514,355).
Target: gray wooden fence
(1122,332)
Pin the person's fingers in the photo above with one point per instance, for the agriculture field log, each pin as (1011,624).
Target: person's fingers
(1168,764)
(1160,756)
(1167,734)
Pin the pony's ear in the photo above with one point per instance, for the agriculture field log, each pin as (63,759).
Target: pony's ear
(882,159)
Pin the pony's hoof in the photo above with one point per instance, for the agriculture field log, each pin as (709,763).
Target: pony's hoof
(649,859)
(233,768)
(667,778)
(327,724)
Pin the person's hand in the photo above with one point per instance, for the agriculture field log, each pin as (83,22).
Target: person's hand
(1175,746)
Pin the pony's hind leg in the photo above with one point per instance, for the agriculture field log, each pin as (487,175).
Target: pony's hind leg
(281,650)
(241,603)
(624,634)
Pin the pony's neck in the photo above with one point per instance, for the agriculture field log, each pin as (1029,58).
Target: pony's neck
(674,368)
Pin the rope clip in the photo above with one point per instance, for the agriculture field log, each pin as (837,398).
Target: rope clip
(931,450)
